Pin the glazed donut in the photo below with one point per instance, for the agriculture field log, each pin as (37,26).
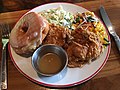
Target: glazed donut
(28,33)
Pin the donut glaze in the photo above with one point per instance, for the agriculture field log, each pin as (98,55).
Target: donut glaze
(28,33)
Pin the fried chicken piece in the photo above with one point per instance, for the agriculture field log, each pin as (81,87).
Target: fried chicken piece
(76,54)
(85,46)
(57,35)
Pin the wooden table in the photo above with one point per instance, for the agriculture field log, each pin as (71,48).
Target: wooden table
(107,79)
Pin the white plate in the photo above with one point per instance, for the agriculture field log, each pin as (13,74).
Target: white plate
(70,76)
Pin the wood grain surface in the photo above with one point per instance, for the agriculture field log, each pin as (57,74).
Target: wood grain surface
(107,79)
(14,5)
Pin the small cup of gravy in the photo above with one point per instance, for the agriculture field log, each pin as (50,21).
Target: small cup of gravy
(49,60)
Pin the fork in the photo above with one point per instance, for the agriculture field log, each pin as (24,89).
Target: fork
(5,39)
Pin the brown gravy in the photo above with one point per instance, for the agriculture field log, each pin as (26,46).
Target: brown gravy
(50,63)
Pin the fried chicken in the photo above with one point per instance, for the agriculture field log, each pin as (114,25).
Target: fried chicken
(57,35)
(84,47)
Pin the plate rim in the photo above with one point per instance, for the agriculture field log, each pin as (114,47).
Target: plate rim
(67,85)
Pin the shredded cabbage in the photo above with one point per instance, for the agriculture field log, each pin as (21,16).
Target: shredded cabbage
(59,16)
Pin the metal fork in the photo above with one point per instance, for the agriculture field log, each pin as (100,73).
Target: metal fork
(5,39)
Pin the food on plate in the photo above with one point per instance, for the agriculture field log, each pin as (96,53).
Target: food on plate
(57,35)
(28,33)
(82,35)
(84,47)
(87,38)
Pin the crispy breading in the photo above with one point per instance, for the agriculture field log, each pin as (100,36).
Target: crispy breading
(57,35)
(84,47)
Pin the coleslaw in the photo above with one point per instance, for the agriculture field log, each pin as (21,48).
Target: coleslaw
(58,16)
